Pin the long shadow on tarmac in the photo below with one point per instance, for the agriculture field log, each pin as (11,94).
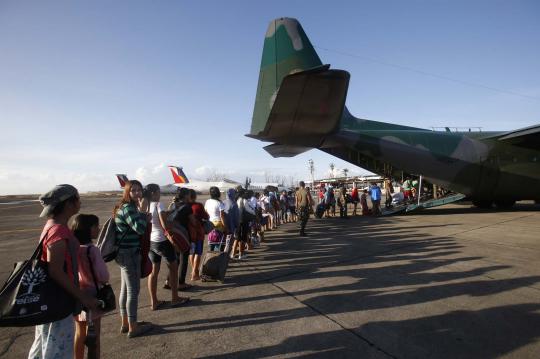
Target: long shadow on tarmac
(467,208)
(345,272)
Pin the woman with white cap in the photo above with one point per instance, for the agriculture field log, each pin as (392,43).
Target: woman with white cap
(60,248)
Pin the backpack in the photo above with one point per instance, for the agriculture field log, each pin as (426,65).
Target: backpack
(175,232)
(106,241)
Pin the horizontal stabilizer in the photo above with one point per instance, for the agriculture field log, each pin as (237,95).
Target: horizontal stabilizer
(277,150)
(528,137)
(308,107)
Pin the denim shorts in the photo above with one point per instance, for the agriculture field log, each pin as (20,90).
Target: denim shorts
(162,249)
(196,247)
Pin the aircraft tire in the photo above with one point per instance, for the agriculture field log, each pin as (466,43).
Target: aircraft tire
(505,204)
(485,204)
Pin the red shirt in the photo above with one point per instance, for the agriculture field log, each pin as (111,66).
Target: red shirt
(354,194)
(197,232)
(199,211)
(53,233)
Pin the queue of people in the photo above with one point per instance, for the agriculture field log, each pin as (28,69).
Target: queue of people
(234,225)
(142,233)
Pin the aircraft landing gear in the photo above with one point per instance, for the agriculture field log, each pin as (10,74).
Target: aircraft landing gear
(505,204)
(485,204)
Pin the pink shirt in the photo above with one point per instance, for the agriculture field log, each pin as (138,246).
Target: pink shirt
(86,281)
(54,232)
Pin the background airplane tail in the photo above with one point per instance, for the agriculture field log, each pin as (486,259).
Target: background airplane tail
(178,175)
(122,179)
(297,96)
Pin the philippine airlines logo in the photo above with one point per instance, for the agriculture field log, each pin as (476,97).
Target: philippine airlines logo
(30,279)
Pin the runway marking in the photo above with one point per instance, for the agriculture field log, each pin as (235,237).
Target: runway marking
(21,230)
(16,206)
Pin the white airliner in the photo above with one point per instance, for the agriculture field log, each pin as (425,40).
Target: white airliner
(181,180)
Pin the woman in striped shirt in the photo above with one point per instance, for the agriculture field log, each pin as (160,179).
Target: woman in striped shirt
(131,218)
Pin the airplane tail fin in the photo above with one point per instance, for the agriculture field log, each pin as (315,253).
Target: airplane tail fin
(297,96)
(178,174)
(122,179)
(286,50)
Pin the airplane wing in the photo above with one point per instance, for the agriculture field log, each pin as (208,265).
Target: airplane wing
(528,137)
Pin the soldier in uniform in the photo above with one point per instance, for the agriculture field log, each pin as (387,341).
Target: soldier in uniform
(303,206)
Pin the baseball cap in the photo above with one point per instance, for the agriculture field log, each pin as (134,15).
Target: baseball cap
(56,196)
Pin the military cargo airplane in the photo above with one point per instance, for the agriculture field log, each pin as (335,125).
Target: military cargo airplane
(300,105)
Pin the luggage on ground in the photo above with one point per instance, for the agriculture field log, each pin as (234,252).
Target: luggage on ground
(214,265)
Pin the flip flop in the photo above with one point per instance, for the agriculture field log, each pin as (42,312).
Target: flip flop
(159,305)
(181,302)
(141,330)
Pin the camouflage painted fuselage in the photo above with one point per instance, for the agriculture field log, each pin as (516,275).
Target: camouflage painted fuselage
(300,105)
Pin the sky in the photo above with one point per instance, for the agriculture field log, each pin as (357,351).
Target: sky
(91,89)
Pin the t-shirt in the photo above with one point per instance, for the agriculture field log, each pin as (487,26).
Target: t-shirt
(292,201)
(253,202)
(375,193)
(302,197)
(183,213)
(214,207)
(130,225)
(354,194)
(198,211)
(157,234)
(53,233)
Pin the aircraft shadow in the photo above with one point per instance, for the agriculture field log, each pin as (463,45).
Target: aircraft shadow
(375,260)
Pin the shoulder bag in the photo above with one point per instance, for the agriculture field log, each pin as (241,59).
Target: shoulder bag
(105,293)
(31,297)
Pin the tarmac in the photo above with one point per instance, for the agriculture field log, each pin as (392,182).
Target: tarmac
(446,282)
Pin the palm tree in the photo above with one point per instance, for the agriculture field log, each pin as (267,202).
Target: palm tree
(332,166)
(345,172)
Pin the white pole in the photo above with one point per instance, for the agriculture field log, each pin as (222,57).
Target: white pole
(419,189)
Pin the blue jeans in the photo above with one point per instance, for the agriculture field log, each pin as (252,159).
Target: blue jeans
(129,261)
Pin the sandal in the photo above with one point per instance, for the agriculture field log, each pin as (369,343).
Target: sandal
(184,286)
(206,278)
(159,305)
(141,329)
(180,302)
(166,286)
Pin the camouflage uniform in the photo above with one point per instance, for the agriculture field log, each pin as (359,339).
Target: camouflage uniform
(303,201)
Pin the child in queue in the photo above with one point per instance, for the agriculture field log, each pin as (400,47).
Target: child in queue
(92,271)
(196,232)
